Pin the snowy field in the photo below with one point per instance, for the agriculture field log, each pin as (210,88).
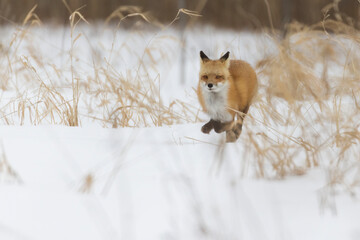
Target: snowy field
(155,183)
(100,139)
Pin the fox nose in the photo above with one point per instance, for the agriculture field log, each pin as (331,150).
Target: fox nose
(210,85)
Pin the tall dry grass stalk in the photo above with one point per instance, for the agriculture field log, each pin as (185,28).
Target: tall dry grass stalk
(309,105)
(7,173)
(111,99)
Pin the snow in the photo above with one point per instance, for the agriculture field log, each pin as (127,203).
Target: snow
(155,183)
(170,182)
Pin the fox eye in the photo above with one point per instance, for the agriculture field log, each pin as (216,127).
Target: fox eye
(219,77)
(205,77)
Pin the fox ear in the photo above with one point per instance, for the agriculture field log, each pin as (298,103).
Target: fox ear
(225,57)
(204,58)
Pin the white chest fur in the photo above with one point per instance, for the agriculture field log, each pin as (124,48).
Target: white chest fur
(216,105)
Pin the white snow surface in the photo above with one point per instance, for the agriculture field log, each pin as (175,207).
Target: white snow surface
(155,183)
(161,183)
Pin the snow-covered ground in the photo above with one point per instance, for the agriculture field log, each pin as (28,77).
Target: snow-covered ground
(155,183)
(169,182)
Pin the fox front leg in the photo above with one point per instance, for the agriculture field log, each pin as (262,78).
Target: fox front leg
(208,127)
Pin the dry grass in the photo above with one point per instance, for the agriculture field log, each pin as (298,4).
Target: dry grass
(309,105)
(7,173)
(307,113)
(133,100)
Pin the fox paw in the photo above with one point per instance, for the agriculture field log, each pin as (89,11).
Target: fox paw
(220,127)
(207,128)
(230,136)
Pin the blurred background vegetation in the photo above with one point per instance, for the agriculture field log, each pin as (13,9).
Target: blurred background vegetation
(237,14)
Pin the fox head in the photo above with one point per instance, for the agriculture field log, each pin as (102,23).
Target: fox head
(214,74)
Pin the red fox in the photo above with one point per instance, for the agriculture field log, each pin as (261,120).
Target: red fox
(226,89)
